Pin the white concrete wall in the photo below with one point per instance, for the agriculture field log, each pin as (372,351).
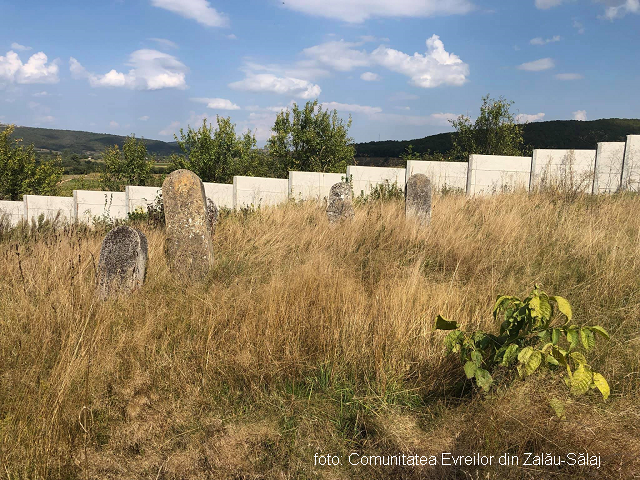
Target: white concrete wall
(609,159)
(35,205)
(91,204)
(140,197)
(259,191)
(496,173)
(365,178)
(14,211)
(443,175)
(220,193)
(571,168)
(312,185)
(631,168)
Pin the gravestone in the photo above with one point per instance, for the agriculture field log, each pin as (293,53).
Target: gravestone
(339,203)
(212,214)
(123,262)
(418,198)
(188,243)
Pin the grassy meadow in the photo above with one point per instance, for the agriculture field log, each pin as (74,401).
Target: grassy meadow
(309,339)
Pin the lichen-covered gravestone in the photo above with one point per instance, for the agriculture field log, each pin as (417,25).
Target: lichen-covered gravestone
(340,204)
(123,262)
(188,244)
(212,215)
(418,198)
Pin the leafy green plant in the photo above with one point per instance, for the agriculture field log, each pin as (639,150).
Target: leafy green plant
(531,337)
(383,192)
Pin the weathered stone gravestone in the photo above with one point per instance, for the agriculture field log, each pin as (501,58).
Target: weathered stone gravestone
(212,215)
(418,198)
(123,262)
(340,203)
(188,243)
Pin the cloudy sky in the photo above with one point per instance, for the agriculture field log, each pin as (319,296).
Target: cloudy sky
(401,68)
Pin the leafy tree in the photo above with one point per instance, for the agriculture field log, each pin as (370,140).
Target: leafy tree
(310,139)
(127,167)
(20,174)
(216,155)
(494,132)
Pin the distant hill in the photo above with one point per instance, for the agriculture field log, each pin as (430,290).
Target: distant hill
(83,143)
(553,134)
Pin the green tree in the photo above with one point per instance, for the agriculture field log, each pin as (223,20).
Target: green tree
(216,155)
(494,132)
(127,167)
(20,174)
(310,139)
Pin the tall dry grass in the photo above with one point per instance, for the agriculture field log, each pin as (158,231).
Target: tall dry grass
(308,339)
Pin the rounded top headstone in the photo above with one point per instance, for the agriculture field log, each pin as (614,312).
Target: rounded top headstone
(123,261)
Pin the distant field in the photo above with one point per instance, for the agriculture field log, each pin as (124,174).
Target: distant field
(309,340)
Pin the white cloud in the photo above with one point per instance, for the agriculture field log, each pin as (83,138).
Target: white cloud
(170,129)
(36,70)
(544,41)
(199,10)
(45,119)
(259,124)
(232,36)
(546,4)
(527,118)
(578,26)
(267,82)
(537,65)
(370,77)
(20,48)
(152,70)
(621,8)
(164,42)
(403,96)
(346,107)
(402,108)
(580,115)
(217,103)
(357,11)
(144,118)
(569,76)
(114,124)
(339,55)
(40,94)
(437,67)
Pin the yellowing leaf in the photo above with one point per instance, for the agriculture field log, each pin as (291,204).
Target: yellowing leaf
(564,306)
(602,385)
(581,380)
(600,331)
(533,362)
(470,369)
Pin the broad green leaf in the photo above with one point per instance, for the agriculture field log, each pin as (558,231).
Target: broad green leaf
(564,306)
(555,336)
(602,385)
(559,355)
(510,354)
(453,340)
(524,354)
(476,356)
(540,307)
(600,331)
(581,380)
(558,407)
(579,358)
(572,338)
(588,340)
(470,369)
(499,302)
(533,362)
(547,346)
(443,324)
(551,360)
(483,379)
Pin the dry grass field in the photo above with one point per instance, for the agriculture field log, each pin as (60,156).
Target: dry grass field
(308,339)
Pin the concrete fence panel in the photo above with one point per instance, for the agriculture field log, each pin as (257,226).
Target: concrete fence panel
(567,168)
(609,159)
(259,191)
(496,173)
(443,175)
(365,178)
(51,207)
(13,211)
(631,167)
(220,193)
(91,204)
(312,185)
(140,197)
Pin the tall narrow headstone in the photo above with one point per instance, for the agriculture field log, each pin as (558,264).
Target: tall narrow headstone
(123,262)
(339,203)
(188,243)
(418,198)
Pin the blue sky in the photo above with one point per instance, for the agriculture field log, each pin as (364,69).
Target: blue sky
(401,68)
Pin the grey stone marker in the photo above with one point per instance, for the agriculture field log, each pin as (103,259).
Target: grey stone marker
(188,243)
(418,198)
(212,214)
(123,262)
(340,204)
